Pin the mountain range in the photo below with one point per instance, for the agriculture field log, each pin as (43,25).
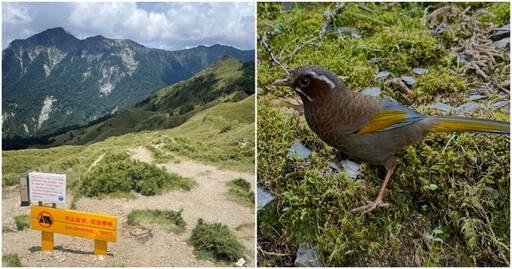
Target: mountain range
(54,81)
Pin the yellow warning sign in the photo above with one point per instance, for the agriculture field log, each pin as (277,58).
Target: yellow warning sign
(75,223)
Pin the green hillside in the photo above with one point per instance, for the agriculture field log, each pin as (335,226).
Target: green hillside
(204,138)
(227,80)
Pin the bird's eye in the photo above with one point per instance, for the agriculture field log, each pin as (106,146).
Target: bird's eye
(304,82)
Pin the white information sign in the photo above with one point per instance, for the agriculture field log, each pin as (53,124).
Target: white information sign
(47,187)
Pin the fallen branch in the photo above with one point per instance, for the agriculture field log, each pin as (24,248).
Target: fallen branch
(263,41)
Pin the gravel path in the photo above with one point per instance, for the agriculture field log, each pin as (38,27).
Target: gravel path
(206,200)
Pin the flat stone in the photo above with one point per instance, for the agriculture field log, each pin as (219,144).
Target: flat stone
(502,94)
(374,60)
(240,262)
(503,43)
(373,91)
(345,29)
(351,168)
(298,151)
(465,58)
(308,257)
(383,75)
(470,107)
(506,83)
(473,97)
(501,31)
(334,166)
(504,104)
(263,198)
(419,71)
(441,106)
(409,81)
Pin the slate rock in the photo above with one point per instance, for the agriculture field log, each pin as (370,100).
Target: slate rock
(504,104)
(465,58)
(374,60)
(301,150)
(470,107)
(373,91)
(473,97)
(419,71)
(501,31)
(263,198)
(503,43)
(334,166)
(409,81)
(345,29)
(383,75)
(351,168)
(308,257)
(441,106)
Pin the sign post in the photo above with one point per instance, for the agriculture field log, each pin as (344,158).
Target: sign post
(51,188)
(101,228)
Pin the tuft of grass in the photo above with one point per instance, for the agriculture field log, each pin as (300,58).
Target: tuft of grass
(216,242)
(159,156)
(11,260)
(170,220)
(22,221)
(240,191)
(117,172)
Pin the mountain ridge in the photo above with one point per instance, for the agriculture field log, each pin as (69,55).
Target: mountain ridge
(227,80)
(52,80)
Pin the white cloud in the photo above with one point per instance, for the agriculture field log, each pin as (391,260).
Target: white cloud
(15,13)
(171,25)
(174,25)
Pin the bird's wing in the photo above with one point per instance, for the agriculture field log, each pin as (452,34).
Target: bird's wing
(392,115)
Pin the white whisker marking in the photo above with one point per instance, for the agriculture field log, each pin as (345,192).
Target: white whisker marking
(300,91)
(322,78)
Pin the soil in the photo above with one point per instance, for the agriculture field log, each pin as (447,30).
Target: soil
(135,246)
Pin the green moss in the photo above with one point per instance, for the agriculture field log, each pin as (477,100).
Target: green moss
(313,203)
(502,12)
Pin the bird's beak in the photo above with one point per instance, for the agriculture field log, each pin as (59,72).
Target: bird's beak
(281,82)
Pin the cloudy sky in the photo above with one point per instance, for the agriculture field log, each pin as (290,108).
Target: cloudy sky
(170,26)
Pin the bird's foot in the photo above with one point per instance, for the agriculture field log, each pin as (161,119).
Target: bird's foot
(370,206)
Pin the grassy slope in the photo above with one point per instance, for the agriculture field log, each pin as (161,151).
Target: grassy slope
(163,109)
(75,160)
(471,204)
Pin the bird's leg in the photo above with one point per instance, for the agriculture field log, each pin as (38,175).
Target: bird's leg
(378,202)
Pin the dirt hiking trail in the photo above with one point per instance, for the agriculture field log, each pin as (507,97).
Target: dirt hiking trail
(134,246)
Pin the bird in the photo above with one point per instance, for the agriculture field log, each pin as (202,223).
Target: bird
(367,128)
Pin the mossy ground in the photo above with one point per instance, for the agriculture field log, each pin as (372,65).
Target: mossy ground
(469,197)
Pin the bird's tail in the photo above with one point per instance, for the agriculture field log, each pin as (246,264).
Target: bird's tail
(453,124)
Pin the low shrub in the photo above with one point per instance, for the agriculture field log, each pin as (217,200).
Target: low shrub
(215,241)
(116,172)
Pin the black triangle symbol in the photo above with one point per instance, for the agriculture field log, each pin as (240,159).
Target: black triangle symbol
(41,220)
